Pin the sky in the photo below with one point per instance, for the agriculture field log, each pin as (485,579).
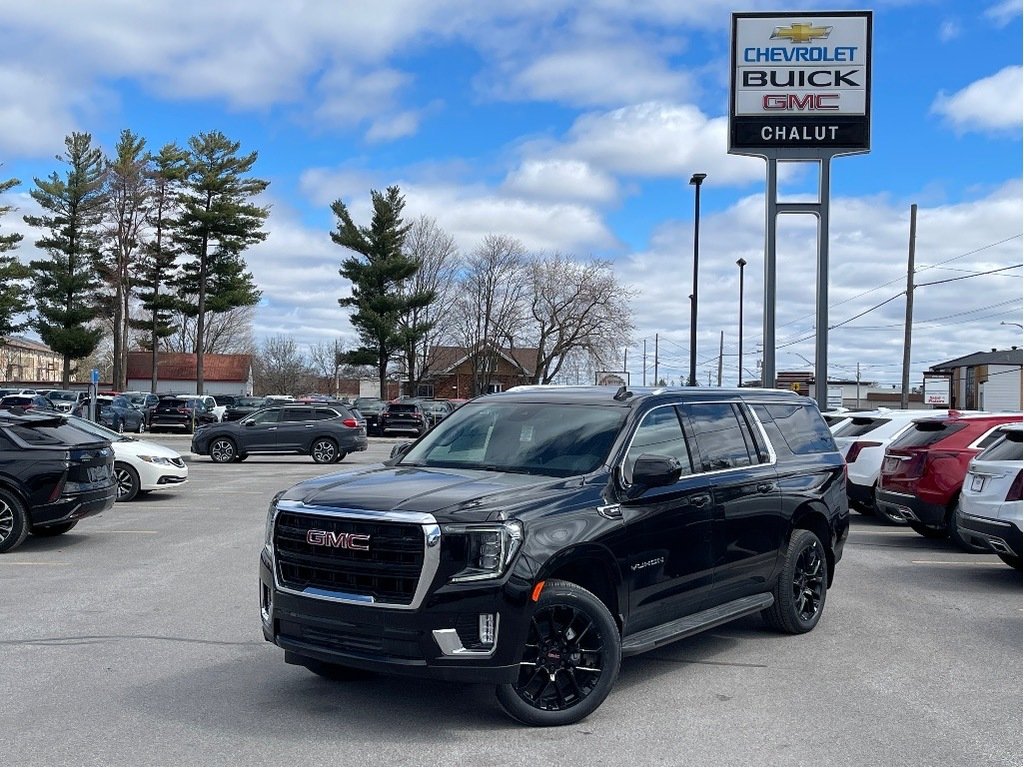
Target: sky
(574,127)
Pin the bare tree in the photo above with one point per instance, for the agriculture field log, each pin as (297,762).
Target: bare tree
(489,307)
(280,367)
(226,333)
(575,307)
(425,326)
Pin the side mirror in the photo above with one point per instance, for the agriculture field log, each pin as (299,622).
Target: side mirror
(247,422)
(653,471)
(397,452)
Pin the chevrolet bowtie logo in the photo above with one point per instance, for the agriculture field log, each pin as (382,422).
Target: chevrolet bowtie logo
(798,32)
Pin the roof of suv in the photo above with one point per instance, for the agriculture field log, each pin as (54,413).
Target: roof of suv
(630,396)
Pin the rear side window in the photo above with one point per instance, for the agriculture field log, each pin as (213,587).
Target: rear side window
(297,414)
(325,413)
(1008,448)
(860,425)
(719,435)
(802,428)
(925,433)
(62,434)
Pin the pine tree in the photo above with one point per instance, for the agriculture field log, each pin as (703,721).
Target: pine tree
(218,222)
(157,261)
(66,286)
(14,300)
(377,272)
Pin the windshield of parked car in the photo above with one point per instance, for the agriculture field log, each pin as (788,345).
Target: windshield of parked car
(533,438)
(59,394)
(97,429)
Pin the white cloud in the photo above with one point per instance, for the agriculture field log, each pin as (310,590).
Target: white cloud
(560,179)
(994,103)
(1002,13)
(949,30)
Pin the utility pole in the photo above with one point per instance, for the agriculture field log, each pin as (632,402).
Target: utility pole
(858,385)
(655,359)
(908,323)
(625,367)
(721,351)
(645,362)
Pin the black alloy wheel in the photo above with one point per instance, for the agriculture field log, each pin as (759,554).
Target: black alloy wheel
(223,450)
(142,426)
(127,480)
(324,450)
(801,587)
(13,522)
(570,660)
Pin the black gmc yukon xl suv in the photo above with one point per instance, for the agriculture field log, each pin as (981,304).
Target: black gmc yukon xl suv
(537,536)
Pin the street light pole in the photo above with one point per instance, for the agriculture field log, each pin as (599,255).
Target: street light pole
(696,180)
(741,263)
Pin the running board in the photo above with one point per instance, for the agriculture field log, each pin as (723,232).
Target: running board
(663,634)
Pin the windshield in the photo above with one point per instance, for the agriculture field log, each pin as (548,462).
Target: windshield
(96,429)
(533,438)
(62,395)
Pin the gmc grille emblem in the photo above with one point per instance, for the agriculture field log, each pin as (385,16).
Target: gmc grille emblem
(359,541)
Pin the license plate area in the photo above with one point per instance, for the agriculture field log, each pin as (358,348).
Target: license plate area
(977,482)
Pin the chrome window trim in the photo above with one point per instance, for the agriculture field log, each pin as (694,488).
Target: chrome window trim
(431,552)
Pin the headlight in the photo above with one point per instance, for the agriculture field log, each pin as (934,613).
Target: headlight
(490,549)
(268,533)
(157,460)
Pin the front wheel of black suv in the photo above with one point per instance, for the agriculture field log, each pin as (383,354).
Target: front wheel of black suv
(802,586)
(223,450)
(570,660)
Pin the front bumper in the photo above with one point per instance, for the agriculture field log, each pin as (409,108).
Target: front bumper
(998,536)
(435,640)
(911,508)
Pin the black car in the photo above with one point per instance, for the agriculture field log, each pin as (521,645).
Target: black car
(180,413)
(537,536)
(406,416)
(326,433)
(242,407)
(51,476)
(121,416)
(370,408)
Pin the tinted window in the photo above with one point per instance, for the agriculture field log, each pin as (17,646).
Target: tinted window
(1009,448)
(325,413)
(989,439)
(267,416)
(171,404)
(775,436)
(296,414)
(925,433)
(718,435)
(52,434)
(859,425)
(660,433)
(402,408)
(802,428)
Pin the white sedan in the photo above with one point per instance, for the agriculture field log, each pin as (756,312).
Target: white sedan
(139,465)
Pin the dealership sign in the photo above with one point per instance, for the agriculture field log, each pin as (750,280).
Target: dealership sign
(800,81)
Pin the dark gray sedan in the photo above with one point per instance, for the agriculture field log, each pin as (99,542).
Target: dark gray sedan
(326,433)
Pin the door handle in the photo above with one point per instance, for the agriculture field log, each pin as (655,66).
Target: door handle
(700,500)
(765,487)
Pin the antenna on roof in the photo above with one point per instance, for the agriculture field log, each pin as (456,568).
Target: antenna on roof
(623,394)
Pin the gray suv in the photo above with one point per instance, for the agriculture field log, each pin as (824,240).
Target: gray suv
(325,433)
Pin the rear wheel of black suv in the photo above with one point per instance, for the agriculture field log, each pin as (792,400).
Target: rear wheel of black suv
(570,660)
(802,586)
(13,522)
(324,450)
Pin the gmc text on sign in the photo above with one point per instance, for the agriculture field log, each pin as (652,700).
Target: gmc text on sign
(801,81)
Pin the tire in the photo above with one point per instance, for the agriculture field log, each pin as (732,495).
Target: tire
(142,426)
(239,457)
(570,660)
(223,450)
(954,532)
(341,457)
(324,450)
(54,530)
(1011,560)
(120,426)
(127,480)
(13,522)
(927,531)
(801,587)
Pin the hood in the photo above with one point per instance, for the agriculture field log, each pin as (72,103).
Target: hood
(448,494)
(132,447)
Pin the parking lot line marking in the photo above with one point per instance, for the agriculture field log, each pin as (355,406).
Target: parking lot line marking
(955,562)
(31,562)
(128,531)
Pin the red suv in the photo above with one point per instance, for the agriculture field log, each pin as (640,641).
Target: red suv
(924,469)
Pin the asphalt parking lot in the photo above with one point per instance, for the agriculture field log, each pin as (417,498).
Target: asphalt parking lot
(135,639)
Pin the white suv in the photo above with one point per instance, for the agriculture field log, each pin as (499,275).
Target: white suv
(991,507)
(862,439)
